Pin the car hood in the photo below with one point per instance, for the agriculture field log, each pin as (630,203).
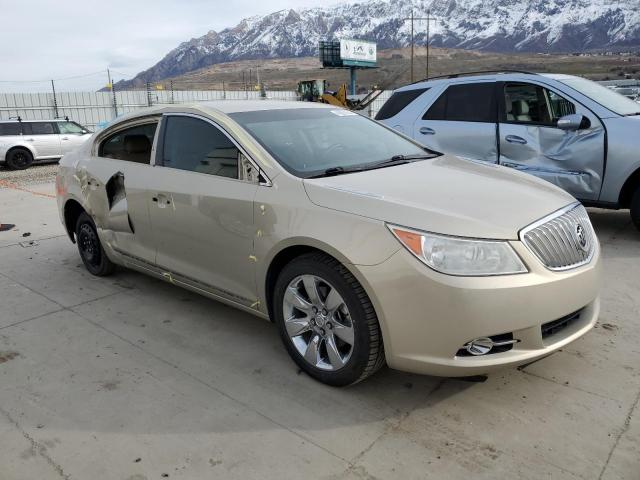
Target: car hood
(445,195)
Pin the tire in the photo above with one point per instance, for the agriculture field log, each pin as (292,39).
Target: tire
(19,159)
(635,208)
(343,343)
(93,256)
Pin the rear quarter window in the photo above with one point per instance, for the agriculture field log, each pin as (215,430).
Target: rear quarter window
(398,102)
(7,129)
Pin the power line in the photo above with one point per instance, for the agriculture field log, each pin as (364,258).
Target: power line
(101,72)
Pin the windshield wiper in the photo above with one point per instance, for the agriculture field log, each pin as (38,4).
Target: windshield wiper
(334,171)
(631,114)
(389,162)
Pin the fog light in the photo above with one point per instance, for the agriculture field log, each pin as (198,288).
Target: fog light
(484,345)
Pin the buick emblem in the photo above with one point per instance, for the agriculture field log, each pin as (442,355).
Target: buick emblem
(581,237)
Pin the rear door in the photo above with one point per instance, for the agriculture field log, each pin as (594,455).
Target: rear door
(201,207)
(462,121)
(531,141)
(114,181)
(43,137)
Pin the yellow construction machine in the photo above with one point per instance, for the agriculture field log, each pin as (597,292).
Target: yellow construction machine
(316,91)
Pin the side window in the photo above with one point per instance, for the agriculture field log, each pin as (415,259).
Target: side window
(197,146)
(70,128)
(131,144)
(7,129)
(39,128)
(533,104)
(398,102)
(471,102)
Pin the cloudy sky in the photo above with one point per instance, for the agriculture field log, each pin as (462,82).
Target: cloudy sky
(46,39)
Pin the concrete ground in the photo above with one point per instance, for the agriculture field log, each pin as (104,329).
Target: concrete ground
(127,377)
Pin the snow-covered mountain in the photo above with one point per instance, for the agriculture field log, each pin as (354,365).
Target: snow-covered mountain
(497,25)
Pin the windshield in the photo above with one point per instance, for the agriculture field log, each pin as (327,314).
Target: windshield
(604,96)
(309,141)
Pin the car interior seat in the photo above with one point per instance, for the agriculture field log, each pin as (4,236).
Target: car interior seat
(509,105)
(137,148)
(520,109)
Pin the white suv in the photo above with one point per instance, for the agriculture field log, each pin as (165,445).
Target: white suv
(24,141)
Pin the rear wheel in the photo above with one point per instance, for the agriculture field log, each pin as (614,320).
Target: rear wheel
(326,321)
(90,248)
(635,208)
(19,159)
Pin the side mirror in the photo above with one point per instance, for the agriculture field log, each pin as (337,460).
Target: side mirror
(573,122)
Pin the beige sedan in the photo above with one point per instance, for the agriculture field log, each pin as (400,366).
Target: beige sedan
(361,245)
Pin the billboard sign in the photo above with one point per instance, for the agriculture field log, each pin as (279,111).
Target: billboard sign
(358,52)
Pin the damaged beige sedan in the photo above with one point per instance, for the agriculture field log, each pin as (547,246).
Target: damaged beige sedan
(361,245)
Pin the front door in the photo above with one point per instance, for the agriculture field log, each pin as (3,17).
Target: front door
(114,181)
(462,121)
(72,136)
(44,138)
(531,141)
(202,211)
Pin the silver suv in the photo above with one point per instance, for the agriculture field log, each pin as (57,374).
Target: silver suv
(24,141)
(570,131)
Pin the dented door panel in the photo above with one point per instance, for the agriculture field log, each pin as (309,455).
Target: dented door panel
(530,141)
(115,195)
(573,161)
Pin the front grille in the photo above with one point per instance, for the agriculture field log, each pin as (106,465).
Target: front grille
(551,328)
(562,240)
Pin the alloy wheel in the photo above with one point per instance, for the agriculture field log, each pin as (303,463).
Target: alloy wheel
(318,322)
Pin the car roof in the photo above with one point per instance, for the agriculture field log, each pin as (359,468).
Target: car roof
(31,120)
(225,107)
(237,106)
(479,77)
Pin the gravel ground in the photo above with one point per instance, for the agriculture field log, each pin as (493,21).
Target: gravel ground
(33,175)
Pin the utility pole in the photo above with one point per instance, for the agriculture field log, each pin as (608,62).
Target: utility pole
(55,100)
(412,19)
(429,20)
(113,92)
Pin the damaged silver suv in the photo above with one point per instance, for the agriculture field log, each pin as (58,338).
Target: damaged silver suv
(568,130)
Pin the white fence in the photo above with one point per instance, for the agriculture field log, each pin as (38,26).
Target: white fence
(93,108)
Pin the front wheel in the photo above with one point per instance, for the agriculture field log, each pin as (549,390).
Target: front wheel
(90,248)
(326,321)
(635,208)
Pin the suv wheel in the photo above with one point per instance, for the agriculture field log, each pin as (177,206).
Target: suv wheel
(635,208)
(326,321)
(19,159)
(90,248)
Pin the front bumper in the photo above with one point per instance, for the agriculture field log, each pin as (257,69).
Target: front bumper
(426,317)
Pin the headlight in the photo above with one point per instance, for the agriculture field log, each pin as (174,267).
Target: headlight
(460,256)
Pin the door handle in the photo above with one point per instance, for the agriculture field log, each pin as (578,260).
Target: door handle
(29,139)
(515,139)
(65,138)
(427,131)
